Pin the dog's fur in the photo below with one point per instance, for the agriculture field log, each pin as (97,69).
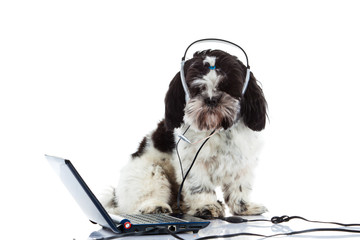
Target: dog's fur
(149,183)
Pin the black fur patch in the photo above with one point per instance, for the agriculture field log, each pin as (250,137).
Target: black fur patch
(227,198)
(254,106)
(243,206)
(141,149)
(114,203)
(163,139)
(174,103)
(203,213)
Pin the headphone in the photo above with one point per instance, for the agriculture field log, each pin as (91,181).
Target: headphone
(182,72)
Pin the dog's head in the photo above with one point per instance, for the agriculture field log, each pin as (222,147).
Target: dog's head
(215,80)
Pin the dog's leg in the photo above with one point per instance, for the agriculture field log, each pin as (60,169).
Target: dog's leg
(156,196)
(146,183)
(200,197)
(236,195)
(143,188)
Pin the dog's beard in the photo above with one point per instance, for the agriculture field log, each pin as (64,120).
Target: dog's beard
(205,117)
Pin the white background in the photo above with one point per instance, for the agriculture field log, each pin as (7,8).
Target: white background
(86,80)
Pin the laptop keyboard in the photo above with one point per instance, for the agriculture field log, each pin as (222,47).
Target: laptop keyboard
(151,218)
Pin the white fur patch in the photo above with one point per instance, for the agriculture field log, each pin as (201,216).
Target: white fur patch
(209,81)
(210,60)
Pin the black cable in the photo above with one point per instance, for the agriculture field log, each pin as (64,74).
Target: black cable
(317,230)
(281,234)
(232,235)
(174,234)
(188,171)
(278,220)
(286,218)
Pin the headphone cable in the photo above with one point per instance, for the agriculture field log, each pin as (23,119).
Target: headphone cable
(192,164)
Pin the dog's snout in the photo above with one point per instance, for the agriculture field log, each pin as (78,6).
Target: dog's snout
(211,102)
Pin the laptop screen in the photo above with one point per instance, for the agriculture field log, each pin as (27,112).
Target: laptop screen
(81,192)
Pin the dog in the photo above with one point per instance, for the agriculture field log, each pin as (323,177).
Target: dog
(150,181)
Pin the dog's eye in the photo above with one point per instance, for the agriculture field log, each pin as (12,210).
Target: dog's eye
(197,90)
(223,85)
(200,88)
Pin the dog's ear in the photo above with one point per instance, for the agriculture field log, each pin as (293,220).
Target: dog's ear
(253,106)
(174,104)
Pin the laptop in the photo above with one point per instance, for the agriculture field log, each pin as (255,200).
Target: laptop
(127,224)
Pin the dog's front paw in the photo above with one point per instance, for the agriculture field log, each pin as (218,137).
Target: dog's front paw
(210,211)
(246,209)
(157,208)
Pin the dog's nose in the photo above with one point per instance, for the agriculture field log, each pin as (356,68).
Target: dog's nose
(211,102)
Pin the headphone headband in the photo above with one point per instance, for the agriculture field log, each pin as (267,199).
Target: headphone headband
(182,73)
(216,40)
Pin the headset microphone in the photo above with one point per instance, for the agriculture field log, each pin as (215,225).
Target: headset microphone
(184,138)
(183,60)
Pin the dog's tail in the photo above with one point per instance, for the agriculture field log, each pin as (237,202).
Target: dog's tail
(108,200)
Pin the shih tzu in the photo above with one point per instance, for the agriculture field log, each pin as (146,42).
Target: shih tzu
(218,102)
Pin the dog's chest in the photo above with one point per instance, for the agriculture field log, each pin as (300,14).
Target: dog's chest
(226,154)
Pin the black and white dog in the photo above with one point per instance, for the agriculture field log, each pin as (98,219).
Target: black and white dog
(149,183)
